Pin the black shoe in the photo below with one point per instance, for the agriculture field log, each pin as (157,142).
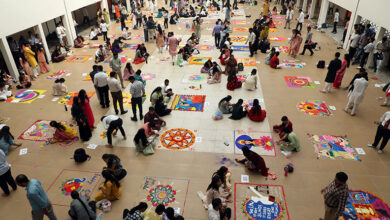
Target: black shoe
(141,117)
(302,54)
(103,106)
(311,54)
(134,119)
(116,112)
(124,112)
(107,106)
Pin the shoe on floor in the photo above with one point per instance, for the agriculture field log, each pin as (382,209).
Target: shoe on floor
(370,145)
(380,151)
(124,112)
(134,119)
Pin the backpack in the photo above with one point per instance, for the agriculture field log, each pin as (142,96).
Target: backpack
(80,155)
(240,67)
(255,2)
(321,64)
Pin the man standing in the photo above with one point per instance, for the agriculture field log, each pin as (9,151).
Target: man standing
(366,52)
(380,48)
(92,75)
(116,65)
(37,197)
(100,81)
(112,123)
(61,34)
(116,93)
(335,196)
(356,95)
(289,16)
(217,33)
(251,39)
(383,131)
(354,43)
(300,19)
(333,67)
(308,43)
(137,91)
(335,21)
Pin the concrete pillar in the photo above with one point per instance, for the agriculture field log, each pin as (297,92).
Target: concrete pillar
(313,8)
(323,12)
(298,4)
(104,5)
(378,37)
(128,5)
(350,30)
(304,6)
(38,29)
(9,60)
(69,27)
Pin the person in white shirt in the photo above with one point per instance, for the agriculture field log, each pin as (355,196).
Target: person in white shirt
(100,54)
(4,92)
(112,123)
(251,39)
(289,17)
(116,92)
(300,19)
(335,21)
(93,35)
(104,28)
(354,43)
(61,34)
(380,48)
(383,132)
(137,91)
(216,211)
(100,81)
(166,90)
(366,52)
(126,34)
(355,97)
(59,88)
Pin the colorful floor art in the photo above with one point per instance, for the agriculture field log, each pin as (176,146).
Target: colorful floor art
(247,61)
(148,76)
(333,147)
(272,30)
(103,135)
(277,38)
(293,64)
(38,131)
(88,77)
(56,75)
(282,49)
(278,23)
(140,37)
(259,202)
(194,87)
(78,58)
(198,60)
(177,139)
(314,107)
(167,191)
(240,29)
(123,59)
(129,46)
(163,60)
(127,99)
(241,78)
(240,48)
(205,47)
(68,99)
(259,142)
(71,180)
(278,17)
(25,96)
(365,205)
(196,78)
(93,46)
(238,39)
(299,82)
(188,102)
(239,22)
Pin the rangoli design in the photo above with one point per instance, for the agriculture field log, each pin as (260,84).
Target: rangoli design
(238,39)
(129,46)
(278,23)
(148,76)
(188,102)
(241,78)
(68,99)
(278,17)
(204,47)
(265,142)
(240,29)
(161,194)
(198,60)
(314,107)
(123,59)
(178,138)
(333,147)
(127,99)
(196,78)
(239,22)
(70,185)
(293,64)
(247,61)
(282,49)
(103,135)
(272,30)
(163,60)
(88,77)
(25,96)
(299,82)
(78,58)
(38,131)
(56,75)
(277,38)
(365,205)
(240,48)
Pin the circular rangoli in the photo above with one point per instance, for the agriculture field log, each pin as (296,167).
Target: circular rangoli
(177,138)
(314,107)
(27,95)
(161,194)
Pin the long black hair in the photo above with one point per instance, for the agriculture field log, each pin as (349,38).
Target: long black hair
(256,107)
(6,134)
(214,183)
(57,125)
(139,207)
(109,177)
(140,136)
(221,172)
(227,98)
(83,96)
(111,158)
(239,102)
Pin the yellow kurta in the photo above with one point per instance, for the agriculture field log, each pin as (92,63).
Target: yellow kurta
(265,8)
(69,131)
(30,57)
(151,215)
(112,192)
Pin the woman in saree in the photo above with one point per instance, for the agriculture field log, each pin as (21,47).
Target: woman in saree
(341,71)
(231,66)
(142,144)
(63,134)
(264,33)
(295,43)
(84,101)
(44,68)
(110,189)
(225,55)
(79,116)
(156,94)
(253,161)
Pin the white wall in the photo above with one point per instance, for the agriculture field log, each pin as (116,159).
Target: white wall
(376,11)
(350,5)
(76,4)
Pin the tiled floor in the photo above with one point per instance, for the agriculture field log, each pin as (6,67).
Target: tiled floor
(302,188)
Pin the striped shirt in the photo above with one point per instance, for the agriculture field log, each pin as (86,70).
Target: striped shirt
(137,89)
(336,196)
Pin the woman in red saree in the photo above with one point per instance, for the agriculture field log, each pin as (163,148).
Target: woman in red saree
(84,101)
(341,71)
(63,134)
(253,161)
(233,82)
(225,55)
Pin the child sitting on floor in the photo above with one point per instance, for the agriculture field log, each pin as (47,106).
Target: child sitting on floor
(4,93)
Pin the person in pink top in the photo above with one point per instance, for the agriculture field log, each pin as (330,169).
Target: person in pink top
(42,61)
(128,71)
(149,132)
(26,67)
(295,43)
(341,71)
(173,42)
